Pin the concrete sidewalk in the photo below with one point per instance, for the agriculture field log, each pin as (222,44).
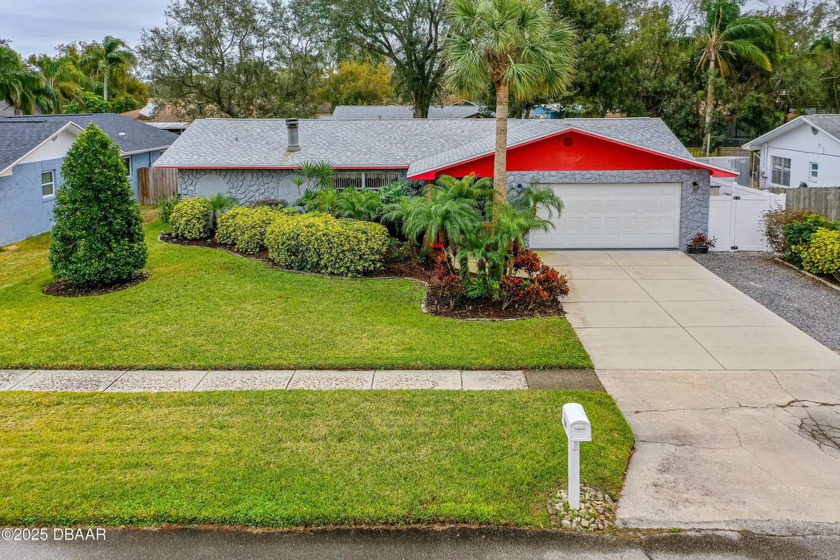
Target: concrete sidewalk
(114,381)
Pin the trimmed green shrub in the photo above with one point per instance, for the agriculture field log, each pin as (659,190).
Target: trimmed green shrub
(798,234)
(318,242)
(167,204)
(823,253)
(245,227)
(228,223)
(191,218)
(98,235)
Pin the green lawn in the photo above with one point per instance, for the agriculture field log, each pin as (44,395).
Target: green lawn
(296,458)
(204,308)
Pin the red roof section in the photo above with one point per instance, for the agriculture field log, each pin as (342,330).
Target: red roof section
(574,150)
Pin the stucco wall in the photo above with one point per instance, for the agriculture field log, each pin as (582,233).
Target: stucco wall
(246,185)
(23,211)
(694,210)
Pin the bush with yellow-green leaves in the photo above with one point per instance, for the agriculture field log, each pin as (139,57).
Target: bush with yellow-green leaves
(823,253)
(192,219)
(245,228)
(318,242)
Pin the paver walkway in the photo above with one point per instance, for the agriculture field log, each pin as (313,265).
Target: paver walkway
(736,413)
(161,381)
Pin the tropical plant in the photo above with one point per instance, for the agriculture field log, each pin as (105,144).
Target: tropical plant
(219,203)
(21,87)
(61,78)
(520,47)
(98,235)
(111,55)
(316,175)
(439,219)
(324,200)
(390,194)
(726,38)
(358,204)
(533,197)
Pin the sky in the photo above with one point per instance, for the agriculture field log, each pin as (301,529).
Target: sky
(38,26)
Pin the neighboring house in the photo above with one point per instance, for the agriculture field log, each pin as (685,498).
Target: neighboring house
(463,110)
(32,149)
(626,183)
(804,152)
(164,117)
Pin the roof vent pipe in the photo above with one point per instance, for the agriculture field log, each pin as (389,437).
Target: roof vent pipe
(294,141)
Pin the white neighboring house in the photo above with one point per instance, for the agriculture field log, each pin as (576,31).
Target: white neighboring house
(804,152)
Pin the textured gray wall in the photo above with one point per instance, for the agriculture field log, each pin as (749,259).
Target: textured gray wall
(694,212)
(248,186)
(23,211)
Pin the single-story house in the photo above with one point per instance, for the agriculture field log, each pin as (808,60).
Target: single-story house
(804,152)
(464,110)
(32,150)
(626,183)
(164,117)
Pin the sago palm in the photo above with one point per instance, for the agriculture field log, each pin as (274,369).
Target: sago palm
(727,38)
(520,46)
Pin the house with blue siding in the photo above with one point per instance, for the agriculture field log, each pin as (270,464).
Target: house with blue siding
(32,150)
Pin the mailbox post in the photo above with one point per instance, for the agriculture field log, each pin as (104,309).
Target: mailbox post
(578,429)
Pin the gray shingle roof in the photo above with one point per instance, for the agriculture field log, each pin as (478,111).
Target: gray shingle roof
(402,112)
(829,123)
(420,144)
(19,134)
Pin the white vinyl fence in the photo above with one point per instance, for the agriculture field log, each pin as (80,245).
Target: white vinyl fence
(735,216)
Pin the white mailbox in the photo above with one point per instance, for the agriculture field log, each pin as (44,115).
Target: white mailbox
(576,423)
(578,429)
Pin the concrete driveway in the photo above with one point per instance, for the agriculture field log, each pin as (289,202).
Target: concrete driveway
(661,310)
(736,413)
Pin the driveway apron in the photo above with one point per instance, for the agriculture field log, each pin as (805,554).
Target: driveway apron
(736,412)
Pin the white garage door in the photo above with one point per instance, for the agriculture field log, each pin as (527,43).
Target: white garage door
(615,216)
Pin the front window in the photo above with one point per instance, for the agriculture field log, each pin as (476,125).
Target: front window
(373,180)
(127,163)
(815,170)
(47,183)
(781,171)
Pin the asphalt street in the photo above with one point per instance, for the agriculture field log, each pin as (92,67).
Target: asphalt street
(348,544)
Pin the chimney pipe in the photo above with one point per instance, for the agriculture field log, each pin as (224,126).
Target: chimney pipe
(294,142)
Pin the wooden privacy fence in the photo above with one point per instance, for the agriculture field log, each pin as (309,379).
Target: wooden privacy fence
(154,182)
(822,200)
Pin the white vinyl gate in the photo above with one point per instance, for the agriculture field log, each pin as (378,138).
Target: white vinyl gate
(735,217)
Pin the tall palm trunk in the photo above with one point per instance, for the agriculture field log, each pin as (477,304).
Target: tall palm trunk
(710,99)
(500,161)
(105,87)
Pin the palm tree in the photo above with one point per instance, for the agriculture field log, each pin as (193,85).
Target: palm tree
(111,55)
(439,219)
(61,77)
(534,197)
(520,46)
(358,204)
(19,86)
(726,38)
(219,204)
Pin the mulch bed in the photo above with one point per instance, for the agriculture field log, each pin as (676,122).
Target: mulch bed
(485,309)
(64,288)
(412,269)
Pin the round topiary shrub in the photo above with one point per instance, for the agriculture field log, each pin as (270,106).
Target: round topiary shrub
(191,219)
(97,238)
(318,242)
(228,224)
(823,253)
(251,226)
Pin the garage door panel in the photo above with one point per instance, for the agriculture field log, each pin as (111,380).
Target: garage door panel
(644,215)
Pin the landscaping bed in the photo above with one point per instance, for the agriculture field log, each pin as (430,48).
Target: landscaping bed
(804,302)
(297,458)
(209,309)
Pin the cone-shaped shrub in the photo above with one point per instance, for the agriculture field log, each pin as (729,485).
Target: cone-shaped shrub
(97,238)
